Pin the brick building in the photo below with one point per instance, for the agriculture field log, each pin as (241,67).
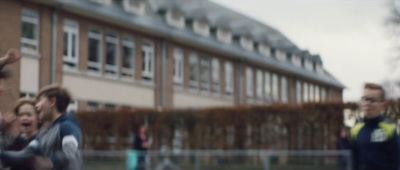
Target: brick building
(160,54)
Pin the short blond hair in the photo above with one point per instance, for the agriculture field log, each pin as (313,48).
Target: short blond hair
(21,102)
(374,86)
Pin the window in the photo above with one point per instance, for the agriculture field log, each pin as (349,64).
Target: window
(267,86)
(27,94)
(309,65)
(305,92)
(71,44)
(259,85)
(249,82)
(311,93)
(284,90)
(91,105)
(105,2)
(128,52)
(178,66)
(228,78)
(72,107)
(110,106)
(147,60)
(30,31)
(296,60)
(323,94)
(134,6)
(246,43)
(94,58)
(320,70)
(205,73)
(194,70)
(275,88)
(215,75)
(176,19)
(224,35)
(112,45)
(317,95)
(298,92)
(264,49)
(201,27)
(281,55)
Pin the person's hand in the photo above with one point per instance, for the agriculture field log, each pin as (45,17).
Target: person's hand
(8,119)
(42,163)
(12,56)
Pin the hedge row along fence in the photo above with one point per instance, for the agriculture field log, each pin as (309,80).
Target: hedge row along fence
(310,126)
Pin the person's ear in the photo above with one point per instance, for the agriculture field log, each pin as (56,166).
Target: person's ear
(53,101)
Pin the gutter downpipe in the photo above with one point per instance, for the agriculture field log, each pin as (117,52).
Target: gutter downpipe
(54,46)
(163,63)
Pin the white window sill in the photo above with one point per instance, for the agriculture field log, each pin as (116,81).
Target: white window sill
(30,54)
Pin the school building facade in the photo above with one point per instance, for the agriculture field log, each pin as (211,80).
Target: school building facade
(156,54)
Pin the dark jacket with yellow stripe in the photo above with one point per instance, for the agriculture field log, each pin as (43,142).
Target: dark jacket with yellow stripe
(375,145)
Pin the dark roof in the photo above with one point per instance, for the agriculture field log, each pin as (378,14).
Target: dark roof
(238,23)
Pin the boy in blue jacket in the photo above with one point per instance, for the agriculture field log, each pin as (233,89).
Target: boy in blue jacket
(374,141)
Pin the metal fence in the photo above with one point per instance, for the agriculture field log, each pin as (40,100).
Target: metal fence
(220,160)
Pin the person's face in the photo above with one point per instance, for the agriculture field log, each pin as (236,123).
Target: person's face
(27,118)
(343,133)
(142,129)
(371,103)
(44,107)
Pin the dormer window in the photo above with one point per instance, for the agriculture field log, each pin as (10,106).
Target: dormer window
(105,2)
(264,49)
(296,60)
(320,70)
(176,19)
(281,55)
(309,65)
(246,43)
(134,6)
(224,35)
(201,27)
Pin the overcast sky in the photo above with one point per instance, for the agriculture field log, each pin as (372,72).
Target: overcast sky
(349,35)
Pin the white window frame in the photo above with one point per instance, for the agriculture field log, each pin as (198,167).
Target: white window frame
(201,27)
(308,64)
(215,75)
(91,108)
(275,87)
(284,90)
(31,17)
(317,94)
(136,9)
(73,107)
(259,88)
(71,28)
(320,70)
(305,92)
(264,49)
(178,23)
(98,37)
(178,66)
(267,86)
(311,92)
(128,42)
(205,78)
(323,94)
(229,78)
(298,92)
(27,94)
(249,82)
(246,43)
(113,38)
(296,60)
(194,62)
(148,59)
(280,55)
(224,35)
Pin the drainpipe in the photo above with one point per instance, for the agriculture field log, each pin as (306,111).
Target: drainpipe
(240,83)
(54,46)
(163,63)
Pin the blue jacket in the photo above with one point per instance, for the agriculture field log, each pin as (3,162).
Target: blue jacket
(375,145)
